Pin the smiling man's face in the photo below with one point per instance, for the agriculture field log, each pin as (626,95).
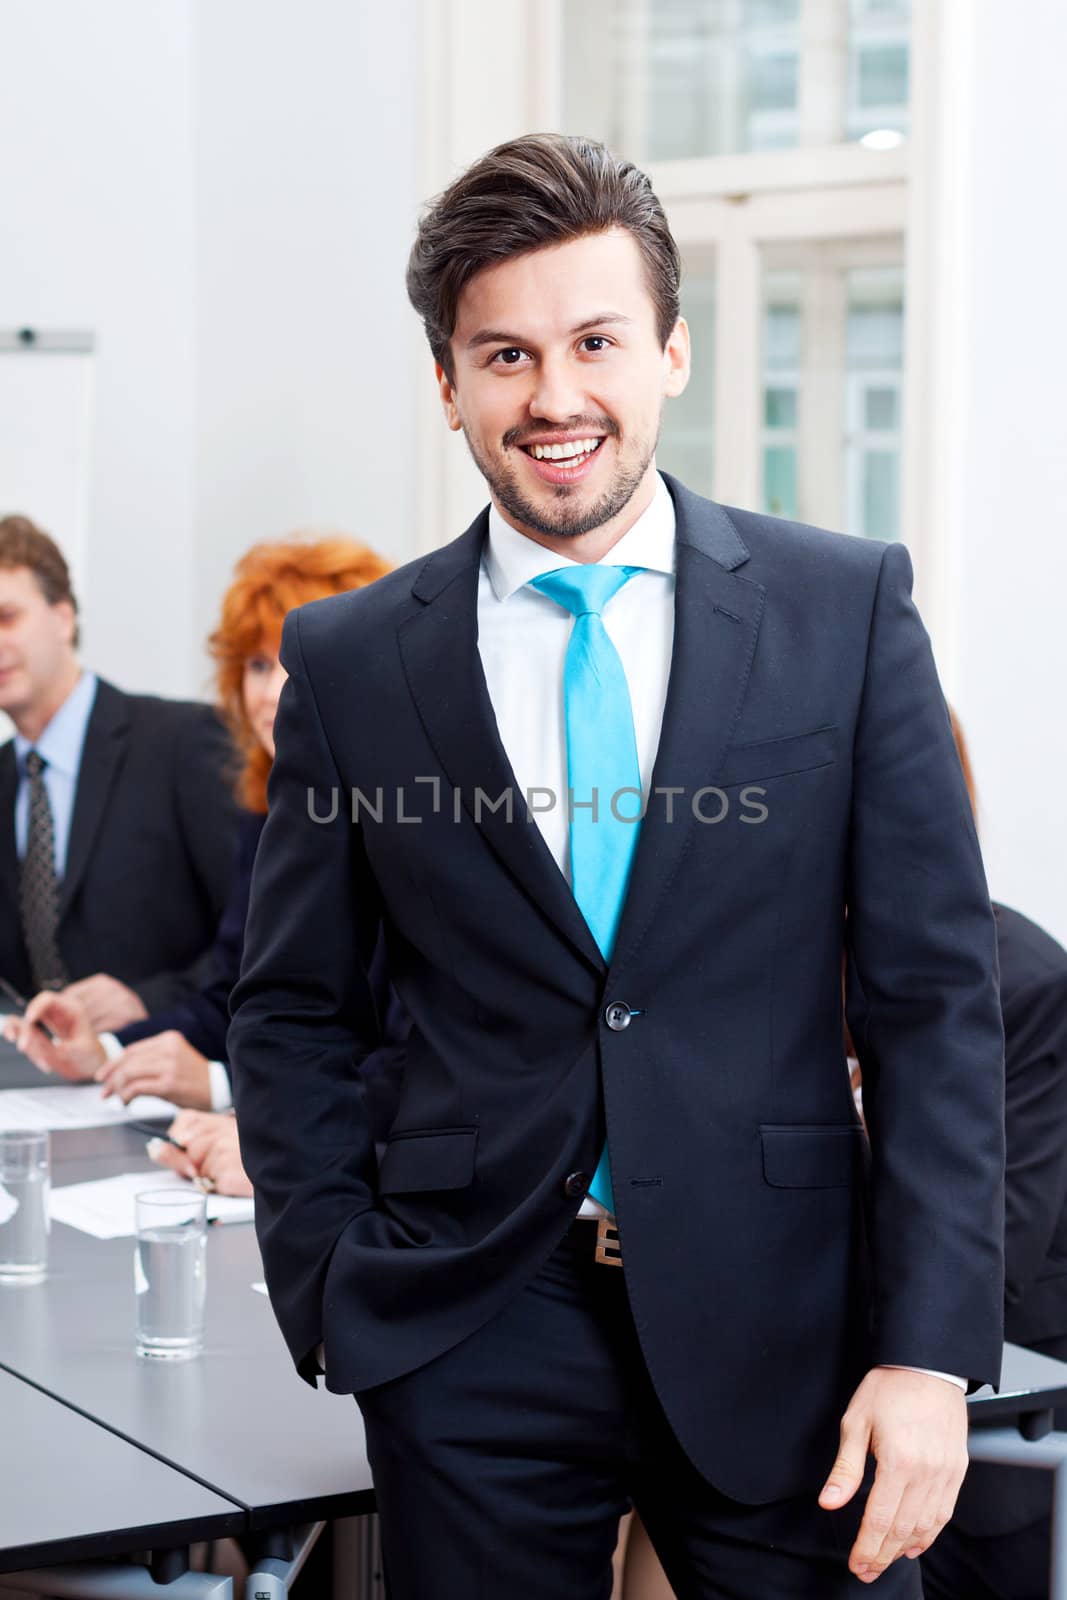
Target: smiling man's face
(559,385)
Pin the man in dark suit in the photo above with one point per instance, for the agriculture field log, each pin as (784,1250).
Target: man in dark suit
(116,820)
(608,770)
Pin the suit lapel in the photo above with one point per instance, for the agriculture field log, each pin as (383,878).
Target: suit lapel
(717,616)
(102,756)
(439,648)
(9,862)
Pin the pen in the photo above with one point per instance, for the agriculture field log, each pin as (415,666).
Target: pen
(20,1003)
(154,1133)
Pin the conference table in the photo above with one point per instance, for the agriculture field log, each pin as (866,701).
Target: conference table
(105,1456)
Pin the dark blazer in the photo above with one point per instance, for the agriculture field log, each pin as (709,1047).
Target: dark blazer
(151,848)
(1033,987)
(203,1016)
(766,1268)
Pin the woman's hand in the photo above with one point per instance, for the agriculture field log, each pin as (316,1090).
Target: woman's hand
(211,1151)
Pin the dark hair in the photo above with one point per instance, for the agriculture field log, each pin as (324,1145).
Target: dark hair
(24,544)
(539,190)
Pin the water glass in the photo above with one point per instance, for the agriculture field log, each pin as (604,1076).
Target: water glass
(25,1183)
(170,1273)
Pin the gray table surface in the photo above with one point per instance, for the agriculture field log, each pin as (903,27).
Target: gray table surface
(1029,1382)
(238,1417)
(18,1071)
(73,1490)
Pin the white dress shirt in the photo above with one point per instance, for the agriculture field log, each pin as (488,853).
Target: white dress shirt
(218,1078)
(523,638)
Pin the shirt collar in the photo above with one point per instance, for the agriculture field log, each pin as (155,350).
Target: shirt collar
(512,560)
(61,741)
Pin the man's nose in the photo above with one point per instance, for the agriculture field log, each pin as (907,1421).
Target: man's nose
(557,394)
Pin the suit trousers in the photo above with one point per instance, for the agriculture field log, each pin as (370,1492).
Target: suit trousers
(1004,1566)
(503,1466)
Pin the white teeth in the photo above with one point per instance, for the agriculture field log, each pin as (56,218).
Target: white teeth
(563,452)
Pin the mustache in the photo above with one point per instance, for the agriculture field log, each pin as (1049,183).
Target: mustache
(519,436)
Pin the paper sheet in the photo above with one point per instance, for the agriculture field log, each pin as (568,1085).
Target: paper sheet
(104,1207)
(75,1105)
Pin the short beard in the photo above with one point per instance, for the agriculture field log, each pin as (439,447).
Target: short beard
(506,492)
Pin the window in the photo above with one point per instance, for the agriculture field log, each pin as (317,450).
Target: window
(670,80)
(832,358)
(776,134)
(686,445)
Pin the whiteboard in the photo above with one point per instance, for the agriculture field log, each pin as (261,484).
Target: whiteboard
(46,399)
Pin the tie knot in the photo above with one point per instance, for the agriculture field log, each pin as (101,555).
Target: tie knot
(581,589)
(35,763)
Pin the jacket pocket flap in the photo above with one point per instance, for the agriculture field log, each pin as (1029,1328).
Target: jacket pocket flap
(431,1158)
(775,758)
(796,1157)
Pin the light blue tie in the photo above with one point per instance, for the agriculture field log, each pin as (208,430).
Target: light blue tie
(601,762)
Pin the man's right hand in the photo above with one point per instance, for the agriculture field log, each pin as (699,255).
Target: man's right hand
(76,1051)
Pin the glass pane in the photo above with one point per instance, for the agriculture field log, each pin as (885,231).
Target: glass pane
(881,409)
(686,442)
(782,339)
(781,330)
(874,354)
(780,408)
(762,11)
(878,68)
(780,481)
(883,75)
(881,494)
(664,80)
(832,362)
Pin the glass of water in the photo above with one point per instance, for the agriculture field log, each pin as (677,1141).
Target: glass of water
(170,1273)
(24,1188)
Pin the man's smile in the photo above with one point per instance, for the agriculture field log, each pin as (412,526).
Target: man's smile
(562,461)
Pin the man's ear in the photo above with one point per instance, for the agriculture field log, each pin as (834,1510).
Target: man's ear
(67,619)
(676,358)
(447,390)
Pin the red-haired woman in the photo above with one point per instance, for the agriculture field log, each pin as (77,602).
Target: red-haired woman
(180,1054)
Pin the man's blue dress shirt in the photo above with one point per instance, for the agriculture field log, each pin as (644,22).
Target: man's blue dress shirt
(61,746)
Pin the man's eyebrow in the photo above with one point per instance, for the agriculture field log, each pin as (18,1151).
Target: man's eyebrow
(496,336)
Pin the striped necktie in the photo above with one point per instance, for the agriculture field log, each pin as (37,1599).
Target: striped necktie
(38,884)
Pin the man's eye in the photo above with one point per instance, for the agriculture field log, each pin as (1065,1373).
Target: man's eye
(509,357)
(598,340)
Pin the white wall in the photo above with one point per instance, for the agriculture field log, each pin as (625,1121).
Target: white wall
(306,122)
(96,232)
(1007,665)
(223,191)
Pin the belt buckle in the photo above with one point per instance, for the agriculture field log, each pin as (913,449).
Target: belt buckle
(608,1244)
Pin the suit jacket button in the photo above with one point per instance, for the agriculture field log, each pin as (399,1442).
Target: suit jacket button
(617,1016)
(577,1183)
